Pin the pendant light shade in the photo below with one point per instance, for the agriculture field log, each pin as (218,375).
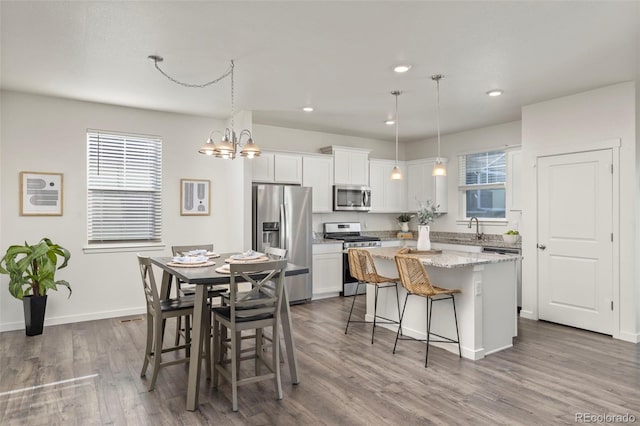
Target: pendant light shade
(439,169)
(396,173)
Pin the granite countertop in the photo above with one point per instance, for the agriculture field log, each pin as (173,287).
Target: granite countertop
(460,238)
(467,239)
(448,258)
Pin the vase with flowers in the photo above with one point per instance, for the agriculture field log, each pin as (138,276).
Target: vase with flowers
(426,214)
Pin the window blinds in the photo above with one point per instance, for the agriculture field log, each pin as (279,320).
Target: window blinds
(484,169)
(124,188)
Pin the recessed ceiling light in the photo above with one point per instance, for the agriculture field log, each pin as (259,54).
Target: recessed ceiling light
(307,109)
(402,68)
(495,92)
(390,122)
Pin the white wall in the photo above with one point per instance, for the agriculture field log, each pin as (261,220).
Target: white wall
(49,134)
(571,124)
(452,145)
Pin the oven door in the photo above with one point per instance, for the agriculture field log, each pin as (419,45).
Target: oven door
(350,284)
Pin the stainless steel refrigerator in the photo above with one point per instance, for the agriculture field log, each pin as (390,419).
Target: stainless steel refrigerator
(282,218)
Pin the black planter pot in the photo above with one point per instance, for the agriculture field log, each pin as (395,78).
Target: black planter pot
(34,307)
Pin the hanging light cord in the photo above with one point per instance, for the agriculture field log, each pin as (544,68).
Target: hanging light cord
(397,93)
(156,59)
(438,114)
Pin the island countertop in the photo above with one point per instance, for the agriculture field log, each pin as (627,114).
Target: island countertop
(448,258)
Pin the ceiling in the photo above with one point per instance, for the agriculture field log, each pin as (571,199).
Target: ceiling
(336,56)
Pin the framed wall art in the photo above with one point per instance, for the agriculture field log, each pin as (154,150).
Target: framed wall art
(40,194)
(195,197)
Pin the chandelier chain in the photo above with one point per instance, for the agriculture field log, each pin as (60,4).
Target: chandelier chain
(209,83)
(232,102)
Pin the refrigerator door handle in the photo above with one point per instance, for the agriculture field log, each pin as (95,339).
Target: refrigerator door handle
(283,227)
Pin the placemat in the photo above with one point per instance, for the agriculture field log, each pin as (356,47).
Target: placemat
(223,270)
(192,265)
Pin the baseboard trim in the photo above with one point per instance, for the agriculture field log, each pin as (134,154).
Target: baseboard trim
(67,319)
(629,337)
(528,315)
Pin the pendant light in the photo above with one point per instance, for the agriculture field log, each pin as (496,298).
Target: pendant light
(396,173)
(439,169)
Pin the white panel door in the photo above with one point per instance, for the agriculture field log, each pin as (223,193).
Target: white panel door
(575,252)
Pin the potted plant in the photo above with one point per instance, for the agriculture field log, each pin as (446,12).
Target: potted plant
(403,220)
(31,270)
(511,236)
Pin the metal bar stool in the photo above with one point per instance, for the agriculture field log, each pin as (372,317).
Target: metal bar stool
(363,269)
(415,280)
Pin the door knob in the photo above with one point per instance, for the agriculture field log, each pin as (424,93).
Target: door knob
(542,246)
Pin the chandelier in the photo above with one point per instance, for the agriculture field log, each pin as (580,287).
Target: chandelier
(228,146)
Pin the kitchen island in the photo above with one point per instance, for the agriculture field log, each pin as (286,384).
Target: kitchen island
(486,308)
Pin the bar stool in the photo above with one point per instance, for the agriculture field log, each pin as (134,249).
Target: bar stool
(363,269)
(415,280)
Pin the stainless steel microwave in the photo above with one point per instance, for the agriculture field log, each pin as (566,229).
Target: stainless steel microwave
(351,198)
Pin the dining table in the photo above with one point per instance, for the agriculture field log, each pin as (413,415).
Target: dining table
(203,277)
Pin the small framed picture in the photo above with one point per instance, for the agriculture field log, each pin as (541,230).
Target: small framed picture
(40,194)
(195,197)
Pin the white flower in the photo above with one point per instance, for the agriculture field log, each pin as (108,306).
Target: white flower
(427,212)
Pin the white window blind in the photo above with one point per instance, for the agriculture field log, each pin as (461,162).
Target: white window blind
(481,180)
(124,188)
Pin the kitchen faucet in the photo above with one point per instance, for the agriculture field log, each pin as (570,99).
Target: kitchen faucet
(479,236)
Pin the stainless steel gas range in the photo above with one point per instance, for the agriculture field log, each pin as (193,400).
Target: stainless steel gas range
(351,236)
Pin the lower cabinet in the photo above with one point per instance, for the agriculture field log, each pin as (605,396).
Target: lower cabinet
(327,270)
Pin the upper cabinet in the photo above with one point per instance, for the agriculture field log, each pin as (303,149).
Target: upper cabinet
(317,172)
(350,165)
(514,179)
(277,168)
(263,168)
(387,196)
(422,185)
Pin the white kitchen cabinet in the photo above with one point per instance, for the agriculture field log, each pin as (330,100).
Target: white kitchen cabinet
(514,179)
(263,168)
(422,185)
(277,168)
(317,172)
(327,270)
(288,168)
(387,196)
(350,165)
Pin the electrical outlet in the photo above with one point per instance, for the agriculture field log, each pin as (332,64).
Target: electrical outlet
(477,288)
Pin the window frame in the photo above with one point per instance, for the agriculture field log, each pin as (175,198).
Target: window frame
(463,188)
(134,173)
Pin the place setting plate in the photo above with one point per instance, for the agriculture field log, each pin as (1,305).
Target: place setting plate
(208,254)
(247,257)
(190,261)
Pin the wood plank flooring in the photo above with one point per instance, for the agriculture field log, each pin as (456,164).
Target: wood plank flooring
(88,374)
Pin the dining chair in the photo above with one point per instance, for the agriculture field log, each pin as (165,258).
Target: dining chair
(415,280)
(183,289)
(362,268)
(157,312)
(256,310)
(274,253)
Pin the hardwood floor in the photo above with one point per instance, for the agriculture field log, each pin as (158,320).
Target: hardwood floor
(88,374)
